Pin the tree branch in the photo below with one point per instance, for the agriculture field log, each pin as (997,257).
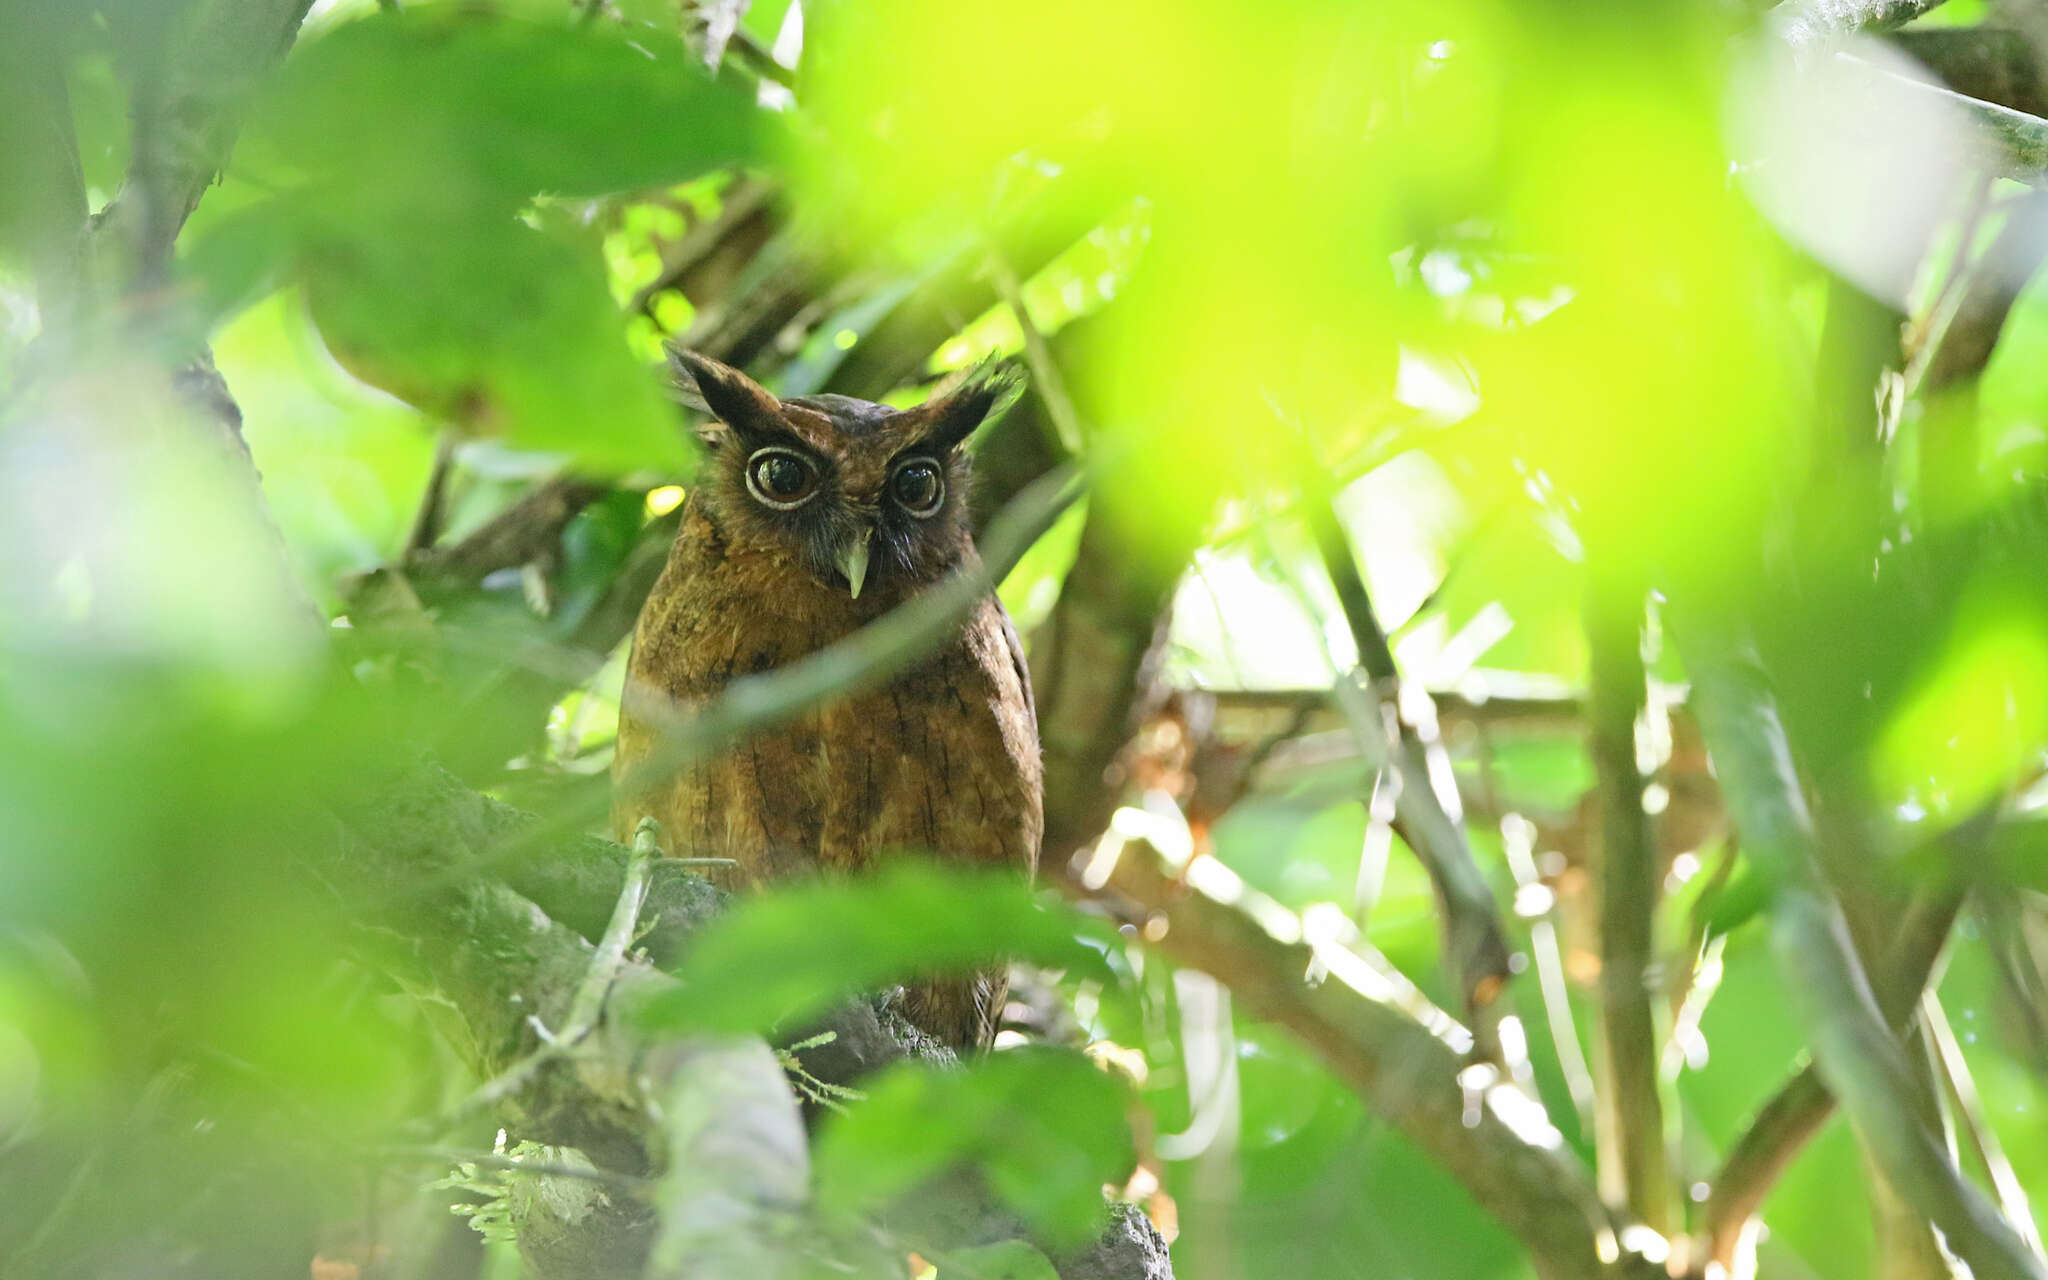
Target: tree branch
(528,530)
(488,962)
(1475,939)
(192,67)
(1405,1058)
(1854,1049)
(2017,142)
(700,1159)
(1634,1167)
(1989,64)
(1785,1124)
(1811,24)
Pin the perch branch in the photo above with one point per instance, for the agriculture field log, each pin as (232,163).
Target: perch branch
(587,1004)
(704,1133)
(488,963)
(1854,1049)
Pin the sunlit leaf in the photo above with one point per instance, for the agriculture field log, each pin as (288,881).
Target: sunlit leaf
(1975,717)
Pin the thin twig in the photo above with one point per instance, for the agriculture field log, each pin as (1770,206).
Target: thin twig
(1045,371)
(740,204)
(433,513)
(526,531)
(588,1003)
(1955,1070)
(1634,1168)
(1918,343)
(1990,64)
(1426,799)
(586,1006)
(1518,840)
(762,62)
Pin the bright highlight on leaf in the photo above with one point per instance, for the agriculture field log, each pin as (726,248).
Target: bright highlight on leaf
(1977,717)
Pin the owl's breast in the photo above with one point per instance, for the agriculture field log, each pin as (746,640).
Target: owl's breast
(943,759)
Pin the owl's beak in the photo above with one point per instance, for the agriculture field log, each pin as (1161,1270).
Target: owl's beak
(853,562)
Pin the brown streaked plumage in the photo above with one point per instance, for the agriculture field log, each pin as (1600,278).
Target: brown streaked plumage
(771,565)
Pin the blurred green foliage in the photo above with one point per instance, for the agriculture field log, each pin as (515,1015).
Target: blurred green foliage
(915,1126)
(1501,281)
(782,958)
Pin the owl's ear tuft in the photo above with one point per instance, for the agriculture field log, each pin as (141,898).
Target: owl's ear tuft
(729,395)
(986,392)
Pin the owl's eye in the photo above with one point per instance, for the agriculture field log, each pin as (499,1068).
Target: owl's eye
(918,488)
(781,478)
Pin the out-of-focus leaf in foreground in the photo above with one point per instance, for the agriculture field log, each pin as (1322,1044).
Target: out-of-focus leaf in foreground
(1046,1127)
(1003,1260)
(406,226)
(455,107)
(793,952)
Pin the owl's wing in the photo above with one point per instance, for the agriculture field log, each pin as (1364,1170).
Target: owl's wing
(1015,645)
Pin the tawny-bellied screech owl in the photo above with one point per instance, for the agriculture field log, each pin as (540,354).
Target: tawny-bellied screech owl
(813,516)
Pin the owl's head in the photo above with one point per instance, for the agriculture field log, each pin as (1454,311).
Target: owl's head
(859,495)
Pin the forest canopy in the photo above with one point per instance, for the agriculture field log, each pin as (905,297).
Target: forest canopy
(1526,525)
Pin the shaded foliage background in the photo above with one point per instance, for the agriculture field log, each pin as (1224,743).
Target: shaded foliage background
(1548,658)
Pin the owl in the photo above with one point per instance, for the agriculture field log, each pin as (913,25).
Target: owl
(812,517)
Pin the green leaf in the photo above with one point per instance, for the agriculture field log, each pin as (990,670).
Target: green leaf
(1003,1260)
(595,547)
(1046,1127)
(500,330)
(444,108)
(399,153)
(794,952)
